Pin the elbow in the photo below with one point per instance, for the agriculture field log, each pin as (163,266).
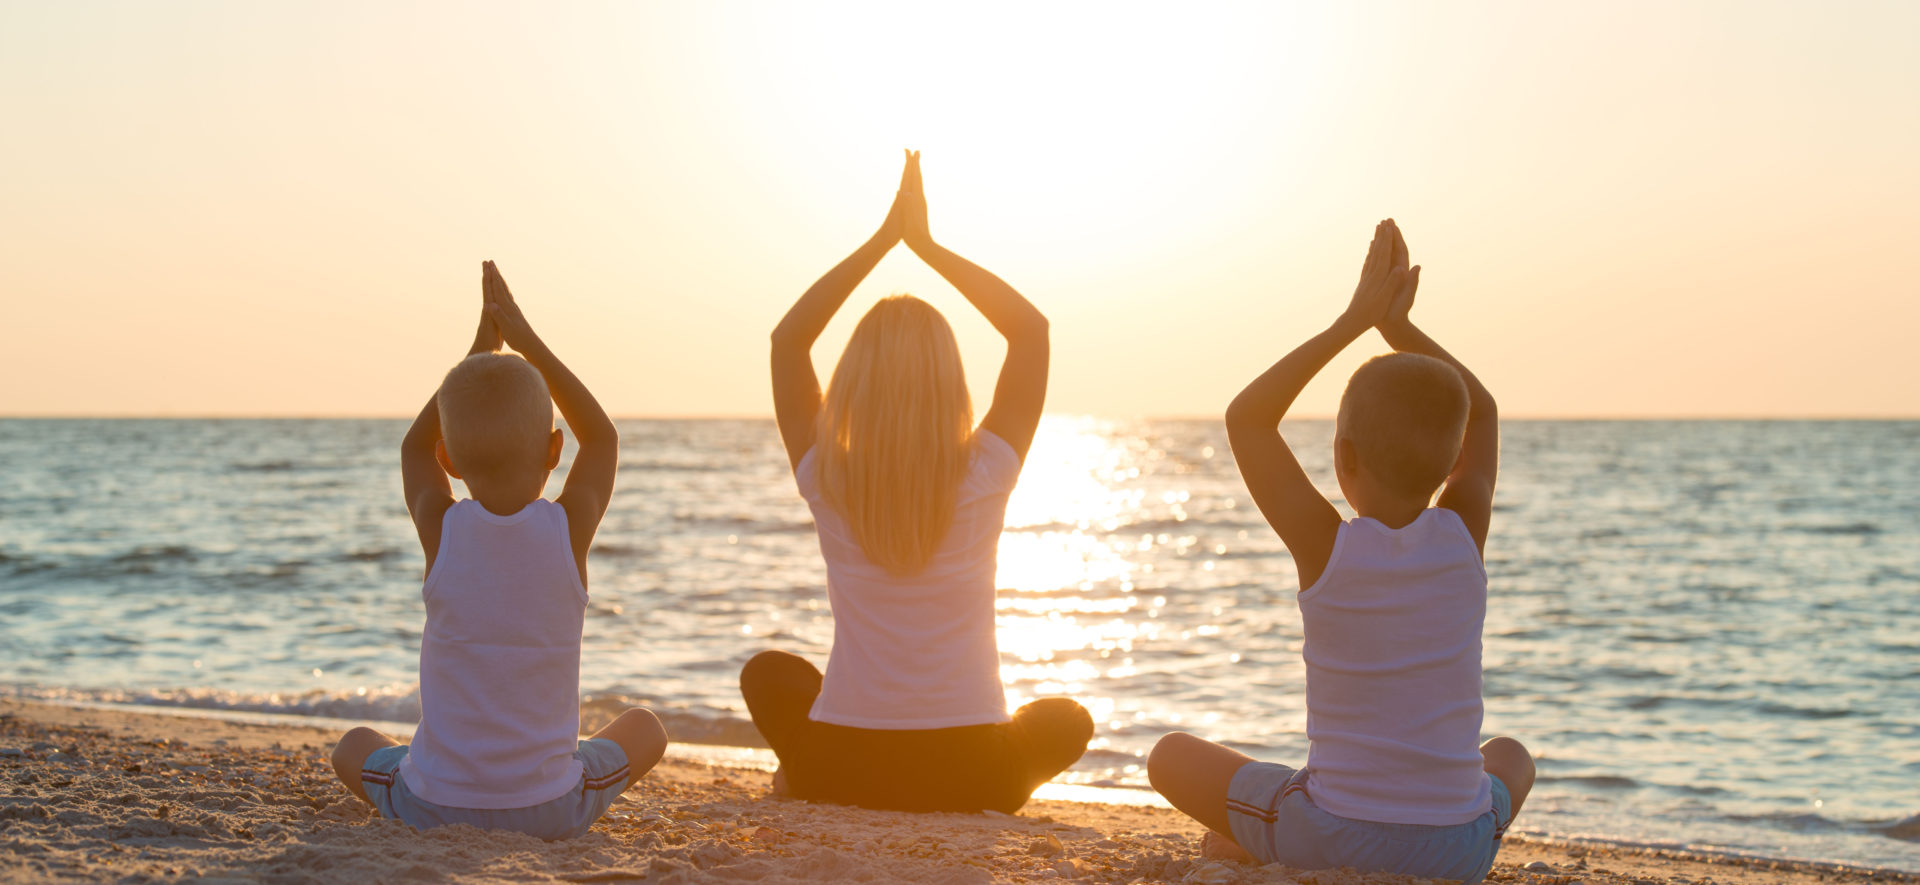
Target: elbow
(786,339)
(1033,329)
(605,434)
(1245,417)
(415,442)
(1239,414)
(595,432)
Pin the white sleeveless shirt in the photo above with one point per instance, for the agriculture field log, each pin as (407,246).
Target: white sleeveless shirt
(917,651)
(499,661)
(1393,673)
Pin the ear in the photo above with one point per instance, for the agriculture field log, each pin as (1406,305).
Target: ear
(1346,457)
(446,462)
(554,445)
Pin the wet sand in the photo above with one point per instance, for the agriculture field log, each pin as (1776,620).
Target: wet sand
(109,795)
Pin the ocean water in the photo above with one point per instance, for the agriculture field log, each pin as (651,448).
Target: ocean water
(1709,632)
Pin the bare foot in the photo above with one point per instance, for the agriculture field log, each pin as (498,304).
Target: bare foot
(780,784)
(1214,846)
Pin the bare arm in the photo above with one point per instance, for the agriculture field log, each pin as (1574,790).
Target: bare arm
(796,389)
(1021,391)
(590,480)
(424,483)
(1468,490)
(1305,521)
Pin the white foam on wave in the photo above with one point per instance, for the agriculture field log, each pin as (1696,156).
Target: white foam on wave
(393,704)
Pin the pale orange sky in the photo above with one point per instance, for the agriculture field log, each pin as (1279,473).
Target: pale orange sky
(1623,209)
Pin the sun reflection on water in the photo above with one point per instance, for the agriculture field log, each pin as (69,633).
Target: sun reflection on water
(1068,613)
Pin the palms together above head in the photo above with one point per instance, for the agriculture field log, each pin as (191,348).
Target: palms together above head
(1387,284)
(504,311)
(907,219)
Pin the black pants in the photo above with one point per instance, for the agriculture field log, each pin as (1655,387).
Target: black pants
(966,768)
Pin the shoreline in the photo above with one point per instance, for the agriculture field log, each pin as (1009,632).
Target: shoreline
(175,794)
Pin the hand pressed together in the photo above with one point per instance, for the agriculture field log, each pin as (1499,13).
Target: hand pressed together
(1384,278)
(504,312)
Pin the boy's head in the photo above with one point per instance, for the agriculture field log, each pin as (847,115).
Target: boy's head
(496,418)
(1401,423)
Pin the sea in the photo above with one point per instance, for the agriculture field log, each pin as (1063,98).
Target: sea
(1707,631)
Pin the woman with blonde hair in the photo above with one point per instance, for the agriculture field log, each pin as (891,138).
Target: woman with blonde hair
(908,498)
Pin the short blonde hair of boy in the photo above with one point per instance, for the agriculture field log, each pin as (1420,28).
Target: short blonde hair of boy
(1406,415)
(496,415)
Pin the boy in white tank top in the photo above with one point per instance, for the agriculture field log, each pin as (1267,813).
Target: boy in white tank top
(498,744)
(1392,603)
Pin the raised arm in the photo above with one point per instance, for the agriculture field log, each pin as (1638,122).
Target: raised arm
(1468,490)
(796,389)
(1021,391)
(1305,521)
(425,485)
(590,480)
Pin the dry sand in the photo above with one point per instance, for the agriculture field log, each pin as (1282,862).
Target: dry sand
(109,795)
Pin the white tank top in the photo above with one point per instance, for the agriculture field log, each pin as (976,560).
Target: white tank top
(917,651)
(1393,673)
(499,661)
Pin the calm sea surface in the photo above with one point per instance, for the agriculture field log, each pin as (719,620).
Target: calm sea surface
(1708,631)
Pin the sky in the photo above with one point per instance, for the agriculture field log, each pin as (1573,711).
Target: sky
(1637,209)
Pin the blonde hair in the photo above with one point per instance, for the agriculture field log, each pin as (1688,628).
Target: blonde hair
(1406,414)
(495,415)
(895,433)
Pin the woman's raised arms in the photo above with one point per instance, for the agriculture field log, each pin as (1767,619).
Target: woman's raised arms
(796,389)
(1022,388)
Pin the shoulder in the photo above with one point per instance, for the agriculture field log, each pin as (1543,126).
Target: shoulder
(805,474)
(552,518)
(460,511)
(1448,523)
(994,460)
(1341,541)
(989,444)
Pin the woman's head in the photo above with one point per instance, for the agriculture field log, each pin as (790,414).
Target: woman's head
(896,433)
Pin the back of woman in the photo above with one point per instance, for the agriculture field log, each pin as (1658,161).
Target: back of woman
(908,499)
(917,650)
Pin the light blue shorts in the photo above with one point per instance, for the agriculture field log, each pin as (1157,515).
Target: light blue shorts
(1275,820)
(570,815)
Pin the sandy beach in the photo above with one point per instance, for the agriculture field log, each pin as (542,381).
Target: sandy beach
(110,795)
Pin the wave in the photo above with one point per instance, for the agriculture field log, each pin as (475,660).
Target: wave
(1849,528)
(744,525)
(398,704)
(1603,781)
(1778,709)
(160,553)
(1110,759)
(389,704)
(263,466)
(675,467)
(1906,829)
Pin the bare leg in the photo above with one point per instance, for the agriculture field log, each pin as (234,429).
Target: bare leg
(352,752)
(641,736)
(1508,760)
(1194,775)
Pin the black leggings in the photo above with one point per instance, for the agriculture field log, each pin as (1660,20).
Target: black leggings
(966,768)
